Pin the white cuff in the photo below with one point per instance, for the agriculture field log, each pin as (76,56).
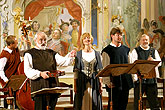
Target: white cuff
(5,79)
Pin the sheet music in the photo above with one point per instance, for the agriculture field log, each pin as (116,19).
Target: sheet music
(144,67)
(54,90)
(113,69)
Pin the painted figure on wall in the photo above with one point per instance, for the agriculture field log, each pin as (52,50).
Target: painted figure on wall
(65,34)
(155,34)
(26,41)
(23,41)
(56,44)
(35,28)
(146,25)
(74,33)
(117,22)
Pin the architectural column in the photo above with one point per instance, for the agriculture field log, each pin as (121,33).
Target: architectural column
(86,14)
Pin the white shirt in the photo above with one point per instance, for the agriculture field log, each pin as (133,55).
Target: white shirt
(88,56)
(3,62)
(134,56)
(33,74)
(114,45)
(106,80)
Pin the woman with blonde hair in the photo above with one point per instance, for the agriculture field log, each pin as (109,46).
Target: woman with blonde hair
(87,86)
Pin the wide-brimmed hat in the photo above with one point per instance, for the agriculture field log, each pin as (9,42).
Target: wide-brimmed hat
(74,20)
(63,23)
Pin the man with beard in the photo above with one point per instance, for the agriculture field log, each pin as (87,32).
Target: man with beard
(116,53)
(38,61)
(149,86)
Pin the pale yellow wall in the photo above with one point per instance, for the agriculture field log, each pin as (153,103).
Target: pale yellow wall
(149,10)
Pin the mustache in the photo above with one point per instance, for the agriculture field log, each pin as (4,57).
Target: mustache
(43,44)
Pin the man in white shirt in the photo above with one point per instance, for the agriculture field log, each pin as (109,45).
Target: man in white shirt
(38,62)
(9,60)
(116,53)
(149,86)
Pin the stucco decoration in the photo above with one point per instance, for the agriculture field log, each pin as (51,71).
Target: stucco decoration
(2,2)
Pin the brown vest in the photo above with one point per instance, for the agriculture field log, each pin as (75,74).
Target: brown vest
(12,63)
(43,60)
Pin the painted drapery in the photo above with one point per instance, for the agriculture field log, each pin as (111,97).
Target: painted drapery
(35,7)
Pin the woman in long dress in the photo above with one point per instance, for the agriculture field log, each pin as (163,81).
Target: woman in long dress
(87,86)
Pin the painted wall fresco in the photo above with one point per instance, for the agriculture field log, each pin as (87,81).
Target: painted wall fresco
(47,16)
(127,12)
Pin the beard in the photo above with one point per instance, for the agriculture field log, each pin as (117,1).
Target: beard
(145,45)
(41,46)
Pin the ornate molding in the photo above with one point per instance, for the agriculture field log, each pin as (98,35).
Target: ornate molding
(4,16)
(2,2)
(82,4)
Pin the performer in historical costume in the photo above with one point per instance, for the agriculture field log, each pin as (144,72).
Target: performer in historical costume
(9,61)
(74,33)
(38,61)
(56,44)
(116,53)
(149,86)
(87,86)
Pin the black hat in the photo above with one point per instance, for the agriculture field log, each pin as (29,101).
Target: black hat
(159,31)
(63,24)
(74,20)
(154,23)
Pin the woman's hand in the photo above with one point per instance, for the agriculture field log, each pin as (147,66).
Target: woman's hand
(73,53)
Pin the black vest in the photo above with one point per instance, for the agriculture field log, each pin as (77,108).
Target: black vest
(143,55)
(43,60)
(119,55)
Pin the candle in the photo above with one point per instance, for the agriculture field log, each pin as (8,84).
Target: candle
(99,5)
(105,5)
